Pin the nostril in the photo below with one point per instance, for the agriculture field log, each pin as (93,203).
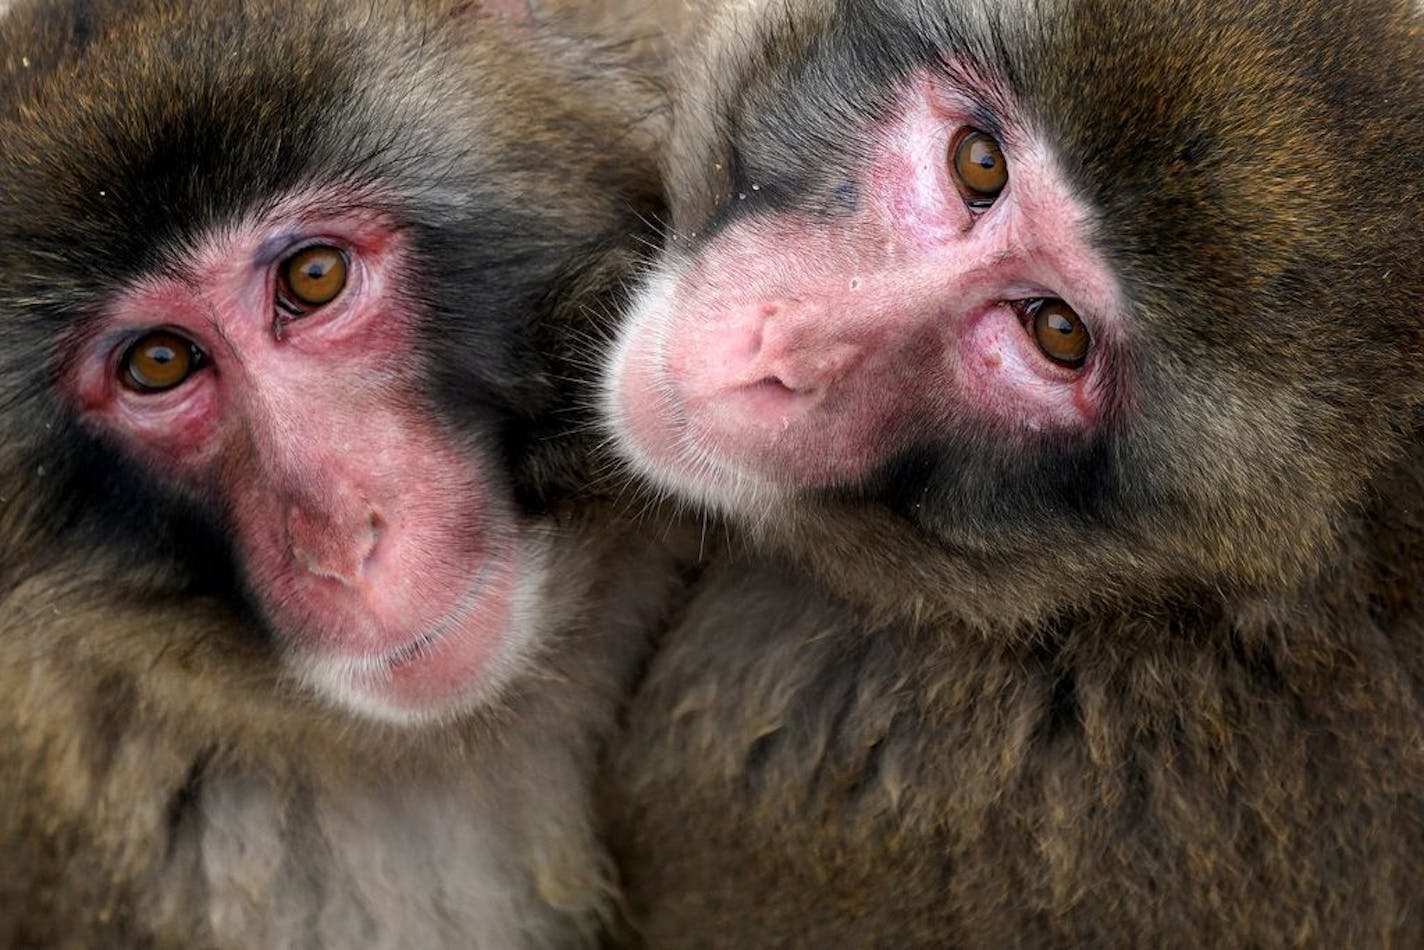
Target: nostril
(332,547)
(377,531)
(776,383)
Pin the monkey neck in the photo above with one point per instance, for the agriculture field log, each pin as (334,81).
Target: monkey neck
(892,574)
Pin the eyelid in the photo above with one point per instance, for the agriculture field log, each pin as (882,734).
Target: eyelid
(275,249)
(988,122)
(120,341)
(283,247)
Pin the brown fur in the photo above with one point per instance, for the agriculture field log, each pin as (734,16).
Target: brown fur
(162,785)
(161,782)
(1194,718)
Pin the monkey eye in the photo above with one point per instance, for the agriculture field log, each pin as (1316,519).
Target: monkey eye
(159,361)
(312,277)
(980,167)
(1059,332)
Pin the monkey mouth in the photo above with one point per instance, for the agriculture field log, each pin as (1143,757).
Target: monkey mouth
(411,652)
(460,661)
(423,644)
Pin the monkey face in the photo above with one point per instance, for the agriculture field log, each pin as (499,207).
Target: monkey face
(269,372)
(804,349)
(1022,286)
(268,335)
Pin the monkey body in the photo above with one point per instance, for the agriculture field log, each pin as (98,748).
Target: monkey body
(306,637)
(1074,420)
(155,795)
(1249,773)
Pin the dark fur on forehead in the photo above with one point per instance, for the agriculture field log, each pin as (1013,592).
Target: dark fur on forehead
(801,76)
(216,120)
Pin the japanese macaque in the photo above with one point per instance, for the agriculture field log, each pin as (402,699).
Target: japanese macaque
(1063,362)
(302,641)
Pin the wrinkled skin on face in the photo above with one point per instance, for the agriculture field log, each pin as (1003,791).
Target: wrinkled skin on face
(305,425)
(802,351)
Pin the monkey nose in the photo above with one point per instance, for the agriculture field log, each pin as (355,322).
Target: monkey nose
(802,358)
(774,343)
(337,547)
(812,372)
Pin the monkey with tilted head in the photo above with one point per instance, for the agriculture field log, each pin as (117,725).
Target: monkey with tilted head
(1062,362)
(300,643)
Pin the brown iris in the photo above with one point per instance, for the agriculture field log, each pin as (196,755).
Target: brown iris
(1060,333)
(159,361)
(980,166)
(315,276)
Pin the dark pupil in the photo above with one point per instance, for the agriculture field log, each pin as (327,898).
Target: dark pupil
(162,354)
(1062,324)
(316,270)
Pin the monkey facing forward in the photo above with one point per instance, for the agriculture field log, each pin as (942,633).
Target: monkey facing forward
(298,645)
(1062,360)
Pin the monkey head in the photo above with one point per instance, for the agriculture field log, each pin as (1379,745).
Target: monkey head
(1083,295)
(268,281)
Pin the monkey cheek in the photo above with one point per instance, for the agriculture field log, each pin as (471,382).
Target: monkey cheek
(794,439)
(653,429)
(469,657)
(641,405)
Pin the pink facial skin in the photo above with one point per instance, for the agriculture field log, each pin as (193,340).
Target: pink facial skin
(794,352)
(383,555)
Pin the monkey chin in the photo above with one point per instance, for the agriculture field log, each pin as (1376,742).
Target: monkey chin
(465,661)
(648,426)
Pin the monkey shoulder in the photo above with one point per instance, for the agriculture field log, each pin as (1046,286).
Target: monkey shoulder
(901,782)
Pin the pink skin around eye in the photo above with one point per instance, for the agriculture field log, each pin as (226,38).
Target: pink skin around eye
(795,352)
(385,556)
